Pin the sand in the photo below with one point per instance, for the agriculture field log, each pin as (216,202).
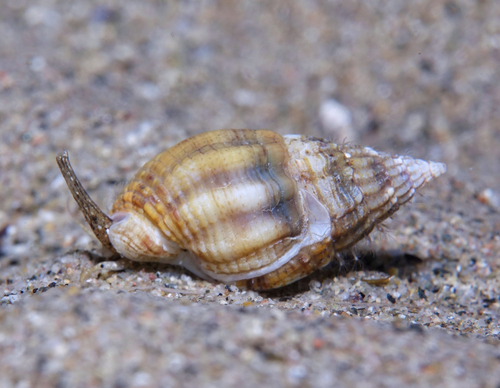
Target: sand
(116,82)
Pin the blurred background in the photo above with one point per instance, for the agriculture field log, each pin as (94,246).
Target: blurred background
(115,82)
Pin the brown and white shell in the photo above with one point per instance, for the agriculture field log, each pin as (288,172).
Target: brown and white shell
(253,208)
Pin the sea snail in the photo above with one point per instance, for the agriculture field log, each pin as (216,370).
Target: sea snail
(252,207)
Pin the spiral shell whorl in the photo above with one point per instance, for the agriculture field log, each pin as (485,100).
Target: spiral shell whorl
(358,185)
(224,196)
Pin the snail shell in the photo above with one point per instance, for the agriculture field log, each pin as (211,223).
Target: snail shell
(253,208)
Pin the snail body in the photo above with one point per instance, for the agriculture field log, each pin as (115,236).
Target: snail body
(253,208)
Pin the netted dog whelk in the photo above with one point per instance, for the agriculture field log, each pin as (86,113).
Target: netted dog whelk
(253,208)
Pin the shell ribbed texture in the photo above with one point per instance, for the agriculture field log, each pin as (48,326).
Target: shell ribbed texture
(359,186)
(222,195)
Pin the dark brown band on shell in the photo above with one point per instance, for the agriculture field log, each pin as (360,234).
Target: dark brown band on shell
(99,222)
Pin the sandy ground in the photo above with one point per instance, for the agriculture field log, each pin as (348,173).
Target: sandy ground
(115,82)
